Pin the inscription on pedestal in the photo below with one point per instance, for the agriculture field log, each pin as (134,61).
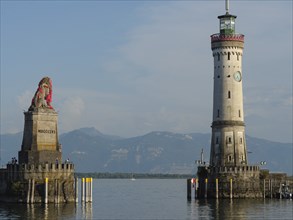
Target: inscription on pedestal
(47,131)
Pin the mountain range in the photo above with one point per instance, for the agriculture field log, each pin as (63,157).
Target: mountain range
(155,152)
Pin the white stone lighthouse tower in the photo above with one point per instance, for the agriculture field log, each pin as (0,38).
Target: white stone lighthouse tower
(228,145)
(228,175)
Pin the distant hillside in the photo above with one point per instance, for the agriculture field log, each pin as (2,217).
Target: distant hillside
(155,152)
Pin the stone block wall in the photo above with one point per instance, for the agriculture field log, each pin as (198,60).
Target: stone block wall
(235,182)
(26,183)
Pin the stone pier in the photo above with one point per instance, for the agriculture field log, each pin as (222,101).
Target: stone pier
(39,175)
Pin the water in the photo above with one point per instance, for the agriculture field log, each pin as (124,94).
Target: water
(150,199)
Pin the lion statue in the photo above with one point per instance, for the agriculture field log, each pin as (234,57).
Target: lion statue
(43,96)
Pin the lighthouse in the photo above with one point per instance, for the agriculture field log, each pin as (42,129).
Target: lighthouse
(228,145)
(228,175)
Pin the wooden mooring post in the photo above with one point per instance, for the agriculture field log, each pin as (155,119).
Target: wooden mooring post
(57,191)
(191,186)
(28,191)
(231,189)
(76,189)
(33,191)
(91,189)
(46,191)
(217,188)
(188,183)
(195,188)
(82,190)
(206,189)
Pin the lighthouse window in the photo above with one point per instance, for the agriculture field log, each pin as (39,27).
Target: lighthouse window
(229,94)
(229,55)
(217,140)
(218,113)
(239,112)
(230,140)
(240,140)
(218,56)
(229,158)
(237,56)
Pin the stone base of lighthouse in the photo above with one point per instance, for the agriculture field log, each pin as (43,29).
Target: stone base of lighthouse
(229,182)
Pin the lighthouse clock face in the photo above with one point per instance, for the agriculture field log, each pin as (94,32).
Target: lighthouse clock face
(237,76)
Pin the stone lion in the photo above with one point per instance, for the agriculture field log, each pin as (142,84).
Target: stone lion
(43,96)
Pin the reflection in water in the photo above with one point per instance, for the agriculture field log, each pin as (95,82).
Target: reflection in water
(200,209)
(86,210)
(46,211)
(37,211)
(221,209)
(239,209)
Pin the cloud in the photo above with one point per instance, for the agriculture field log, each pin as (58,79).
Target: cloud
(24,99)
(71,112)
(166,68)
(159,74)
(160,78)
(288,101)
(73,106)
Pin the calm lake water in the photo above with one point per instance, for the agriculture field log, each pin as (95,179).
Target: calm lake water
(150,199)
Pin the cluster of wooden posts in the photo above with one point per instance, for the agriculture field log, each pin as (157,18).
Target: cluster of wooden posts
(270,188)
(192,188)
(31,191)
(86,190)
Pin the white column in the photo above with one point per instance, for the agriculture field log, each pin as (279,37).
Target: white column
(231,188)
(46,191)
(28,191)
(217,188)
(82,189)
(76,189)
(33,191)
(91,189)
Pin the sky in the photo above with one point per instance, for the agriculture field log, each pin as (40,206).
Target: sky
(131,67)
